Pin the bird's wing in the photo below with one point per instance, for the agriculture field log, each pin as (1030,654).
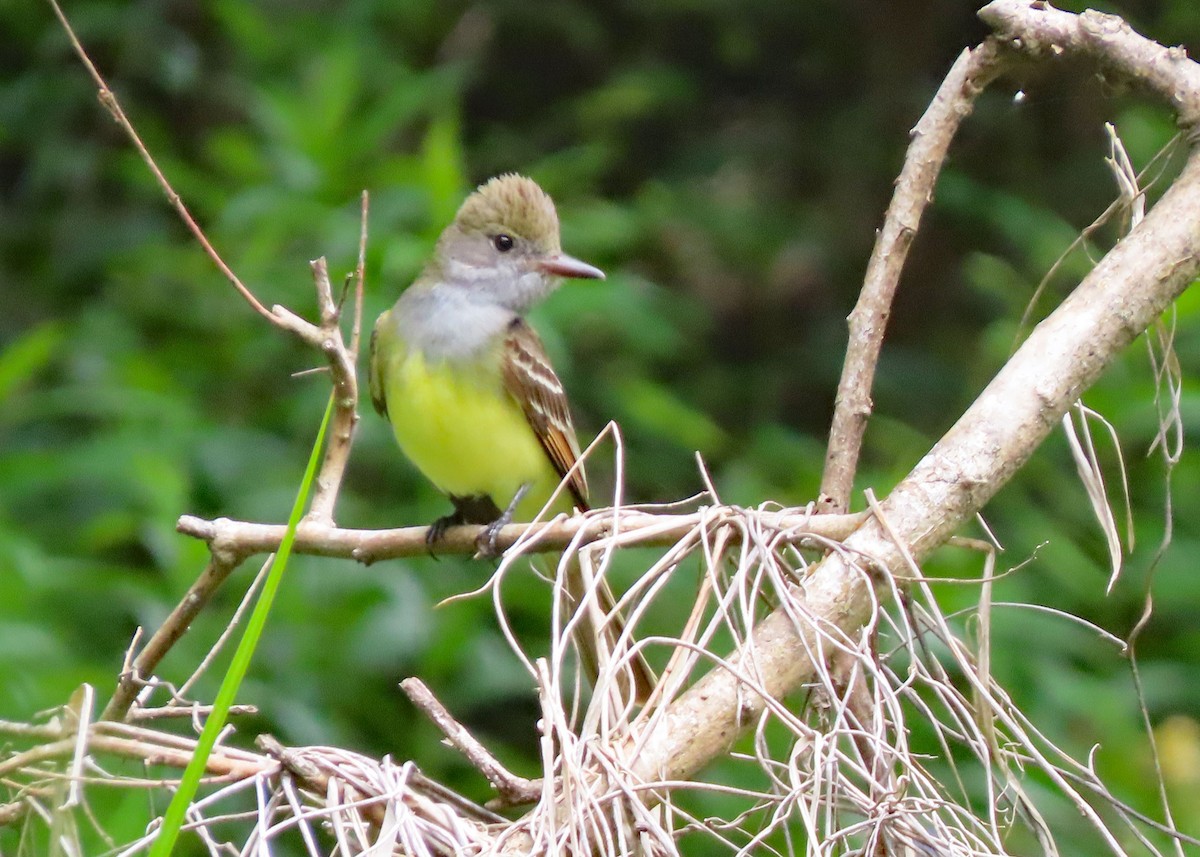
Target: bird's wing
(375,371)
(530,379)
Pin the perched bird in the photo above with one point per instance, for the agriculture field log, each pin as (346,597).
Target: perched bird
(466,384)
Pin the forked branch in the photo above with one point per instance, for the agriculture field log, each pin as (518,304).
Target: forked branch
(324,336)
(1118,300)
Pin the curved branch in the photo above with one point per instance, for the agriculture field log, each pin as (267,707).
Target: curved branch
(1038,30)
(1129,288)
(954,101)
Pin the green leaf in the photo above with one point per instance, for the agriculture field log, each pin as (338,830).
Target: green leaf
(27,355)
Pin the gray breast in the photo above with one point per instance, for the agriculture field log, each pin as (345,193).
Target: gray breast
(448,323)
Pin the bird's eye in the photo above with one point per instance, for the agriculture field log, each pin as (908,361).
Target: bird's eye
(503,242)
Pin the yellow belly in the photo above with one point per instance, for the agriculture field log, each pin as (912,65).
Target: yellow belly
(466,434)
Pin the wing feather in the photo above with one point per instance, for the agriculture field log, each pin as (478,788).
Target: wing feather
(532,382)
(375,371)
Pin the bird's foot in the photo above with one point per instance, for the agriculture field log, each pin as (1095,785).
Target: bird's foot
(438,528)
(485,542)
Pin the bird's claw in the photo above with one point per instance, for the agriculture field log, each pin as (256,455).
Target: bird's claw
(486,541)
(437,530)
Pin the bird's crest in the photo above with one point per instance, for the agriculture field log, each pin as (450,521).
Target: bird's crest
(512,204)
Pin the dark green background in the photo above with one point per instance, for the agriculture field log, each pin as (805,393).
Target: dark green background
(727,165)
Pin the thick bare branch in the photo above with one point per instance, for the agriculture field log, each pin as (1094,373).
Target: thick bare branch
(1125,293)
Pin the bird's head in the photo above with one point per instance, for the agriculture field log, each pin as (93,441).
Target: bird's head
(504,245)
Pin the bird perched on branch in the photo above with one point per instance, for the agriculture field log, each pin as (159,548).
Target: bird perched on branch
(468,388)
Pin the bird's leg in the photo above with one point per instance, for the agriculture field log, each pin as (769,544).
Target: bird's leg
(486,543)
(474,509)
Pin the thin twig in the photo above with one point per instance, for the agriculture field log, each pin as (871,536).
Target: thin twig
(109,100)
(512,789)
(219,567)
(345,386)
(245,538)
(150,752)
(175,712)
(360,278)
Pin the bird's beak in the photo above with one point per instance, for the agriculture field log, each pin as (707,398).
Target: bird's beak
(562,265)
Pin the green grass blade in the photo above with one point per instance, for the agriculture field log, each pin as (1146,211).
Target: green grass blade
(173,819)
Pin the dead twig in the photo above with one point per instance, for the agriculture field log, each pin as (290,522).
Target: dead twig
(130,682)
(109,100)
(326,337)
(245,538)
(953,103)
(512,790)
(342,361)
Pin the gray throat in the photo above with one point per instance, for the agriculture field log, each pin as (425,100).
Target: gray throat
(449,322)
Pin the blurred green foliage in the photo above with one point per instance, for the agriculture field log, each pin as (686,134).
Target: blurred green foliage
(726,163)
